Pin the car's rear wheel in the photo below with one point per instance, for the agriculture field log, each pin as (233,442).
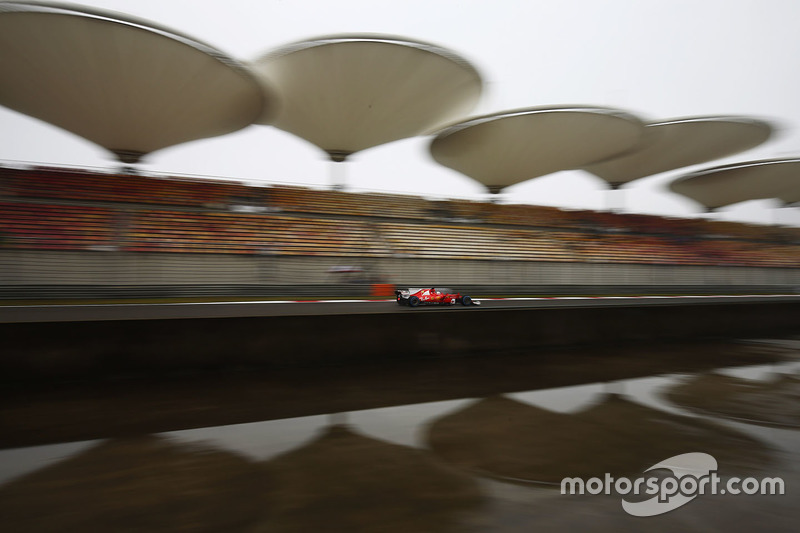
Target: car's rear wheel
(413,301)
(466,300)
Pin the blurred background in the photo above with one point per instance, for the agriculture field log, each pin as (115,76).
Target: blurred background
(202,156)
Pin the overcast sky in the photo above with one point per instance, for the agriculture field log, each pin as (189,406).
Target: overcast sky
(656,58)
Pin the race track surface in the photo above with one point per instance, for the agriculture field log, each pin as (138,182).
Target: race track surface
(96,312)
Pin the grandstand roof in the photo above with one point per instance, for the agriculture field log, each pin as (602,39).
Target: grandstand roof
(730,184)
(791,196)
(352,92)
(677,143)
(505,148)
(125,84)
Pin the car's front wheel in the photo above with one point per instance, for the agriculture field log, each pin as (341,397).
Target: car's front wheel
(466,300)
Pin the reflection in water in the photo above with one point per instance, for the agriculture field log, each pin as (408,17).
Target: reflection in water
(364,484)
(319,473)
(19,461)
(706,514)
(40,413)
(510,439)
(340,479)
(138,484)
(774,401)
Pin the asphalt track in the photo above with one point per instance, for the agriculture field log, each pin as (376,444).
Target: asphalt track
(100,312)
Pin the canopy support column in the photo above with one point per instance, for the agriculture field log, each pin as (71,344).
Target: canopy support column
(338,175)
(615,198)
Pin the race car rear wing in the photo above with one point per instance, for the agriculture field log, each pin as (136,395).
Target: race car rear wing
(406,292)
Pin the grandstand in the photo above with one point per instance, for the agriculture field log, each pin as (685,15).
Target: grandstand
(57,224)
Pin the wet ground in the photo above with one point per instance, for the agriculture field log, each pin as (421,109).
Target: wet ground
(462,444)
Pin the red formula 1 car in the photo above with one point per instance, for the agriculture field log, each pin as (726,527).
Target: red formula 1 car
(432,296)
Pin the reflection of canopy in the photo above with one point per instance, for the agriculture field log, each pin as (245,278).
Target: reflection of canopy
(770,402)
(147,484)
(506,148)
(730,184)
(345,481)
(349,93)
(122,83)
(510,439)
(682,142)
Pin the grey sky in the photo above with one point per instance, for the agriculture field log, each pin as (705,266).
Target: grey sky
(656,58)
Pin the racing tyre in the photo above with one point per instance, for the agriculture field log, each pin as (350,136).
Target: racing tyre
(413,301)
(466,300)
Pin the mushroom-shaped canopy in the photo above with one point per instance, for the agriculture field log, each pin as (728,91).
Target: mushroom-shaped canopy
(730,184)
(125,84)
(790,196)
(678,143)
(505,148)
(349,93)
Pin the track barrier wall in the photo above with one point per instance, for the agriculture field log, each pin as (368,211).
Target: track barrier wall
(120,347)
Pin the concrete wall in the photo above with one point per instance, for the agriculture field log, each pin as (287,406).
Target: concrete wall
(444,272)
(83,348)
(23,267)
